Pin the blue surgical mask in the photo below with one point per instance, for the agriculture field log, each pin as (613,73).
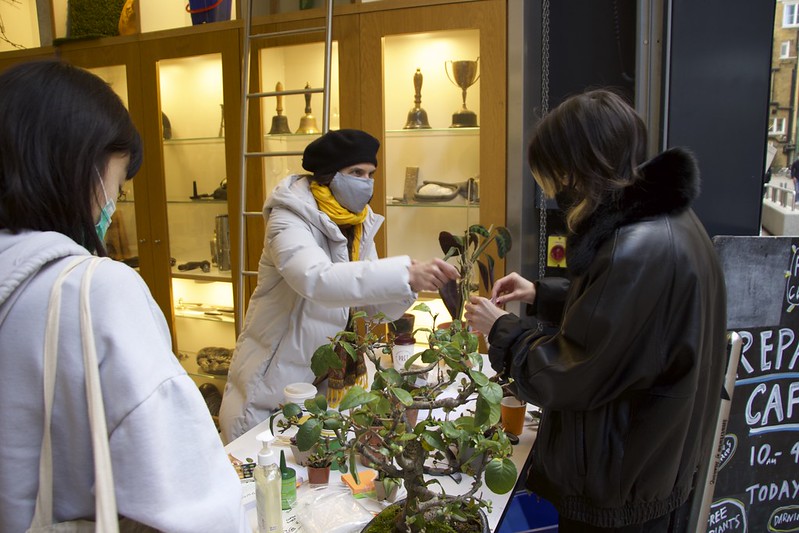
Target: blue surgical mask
(352,192)
(105,213)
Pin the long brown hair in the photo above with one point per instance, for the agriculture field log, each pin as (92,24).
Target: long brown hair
(590,146)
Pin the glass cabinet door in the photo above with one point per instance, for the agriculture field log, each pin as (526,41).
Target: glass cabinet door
(432,149)
(121,242)
(195,179)
(290,122)
(434,85)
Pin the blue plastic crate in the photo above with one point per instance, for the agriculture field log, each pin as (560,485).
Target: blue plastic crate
(528,512)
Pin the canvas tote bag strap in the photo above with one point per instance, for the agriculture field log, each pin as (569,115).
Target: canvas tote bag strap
(43,514)
(105,505)
(105,498)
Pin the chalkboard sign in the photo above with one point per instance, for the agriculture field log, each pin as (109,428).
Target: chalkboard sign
(757,488)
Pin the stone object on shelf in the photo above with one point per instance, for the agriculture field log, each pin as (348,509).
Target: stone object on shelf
(214,360)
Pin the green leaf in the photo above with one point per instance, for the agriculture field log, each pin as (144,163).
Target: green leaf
(332,423)
(403,396)
(504,241)
(355,397)
(429,356)
(308,434)
(313,407)
(392,377)
(478,377)
(491,392)
(486,413)
(350,349)
(479,229)
(476,360)
(323,359)
(321,402)
(424,308)
(500,475)
(291,410)
(434,440)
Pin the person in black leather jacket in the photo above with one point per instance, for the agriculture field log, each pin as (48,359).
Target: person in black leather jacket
(627,356)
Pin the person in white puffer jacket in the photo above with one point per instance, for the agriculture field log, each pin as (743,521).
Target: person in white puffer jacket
(319,261)
(67,144)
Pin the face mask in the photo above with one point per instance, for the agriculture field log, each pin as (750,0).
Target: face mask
(105,213)
(351,192)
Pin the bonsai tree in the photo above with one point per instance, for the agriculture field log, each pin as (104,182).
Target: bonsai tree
(373,423)
(470,250)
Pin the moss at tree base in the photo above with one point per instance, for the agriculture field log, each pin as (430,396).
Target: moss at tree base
(387,520)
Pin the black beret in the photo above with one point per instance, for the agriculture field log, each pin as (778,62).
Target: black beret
(339,149)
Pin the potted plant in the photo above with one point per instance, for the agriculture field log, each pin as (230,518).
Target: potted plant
(321,435)
(434,446)
(469,250)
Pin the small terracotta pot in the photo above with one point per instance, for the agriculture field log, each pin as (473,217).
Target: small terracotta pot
(318,475)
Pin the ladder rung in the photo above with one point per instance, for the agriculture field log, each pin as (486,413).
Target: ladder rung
(300,31)
(289,92)
(271,154)
(252,213)
(249,273)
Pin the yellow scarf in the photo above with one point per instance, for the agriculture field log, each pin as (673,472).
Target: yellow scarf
(329,205)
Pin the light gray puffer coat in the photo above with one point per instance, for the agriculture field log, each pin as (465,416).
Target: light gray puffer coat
(306,286)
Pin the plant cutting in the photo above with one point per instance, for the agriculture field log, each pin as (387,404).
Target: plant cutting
(463,438)
(469,250)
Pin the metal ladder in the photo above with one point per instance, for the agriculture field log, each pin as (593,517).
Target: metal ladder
(247,97)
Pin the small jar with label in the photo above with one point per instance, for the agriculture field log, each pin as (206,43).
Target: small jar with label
(402,349)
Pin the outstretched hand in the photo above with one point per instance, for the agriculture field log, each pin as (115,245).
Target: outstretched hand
(430,276)
(512,288)
(481,314)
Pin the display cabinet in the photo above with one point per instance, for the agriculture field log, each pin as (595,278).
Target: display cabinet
(448,172)
(192,139)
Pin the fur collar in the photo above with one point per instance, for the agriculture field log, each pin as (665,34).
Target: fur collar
(669,186)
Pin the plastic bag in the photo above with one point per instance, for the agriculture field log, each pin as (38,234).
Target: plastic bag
(323,510)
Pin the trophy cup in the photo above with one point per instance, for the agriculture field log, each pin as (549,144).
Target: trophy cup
(280,124)
(308,121)
(417,117)
(464,74)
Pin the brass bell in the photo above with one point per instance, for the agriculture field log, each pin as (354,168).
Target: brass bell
(280,124)
(417,117)
(308,121)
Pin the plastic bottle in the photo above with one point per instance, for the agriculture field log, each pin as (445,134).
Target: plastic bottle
(288,483)
(267,487)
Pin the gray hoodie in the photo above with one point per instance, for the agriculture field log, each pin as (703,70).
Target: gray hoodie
(170,470)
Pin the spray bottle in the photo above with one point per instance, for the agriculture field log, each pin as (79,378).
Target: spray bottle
(267,487)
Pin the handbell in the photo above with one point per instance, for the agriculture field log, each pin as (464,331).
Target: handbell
(308,121)
(417,117)
(280,124)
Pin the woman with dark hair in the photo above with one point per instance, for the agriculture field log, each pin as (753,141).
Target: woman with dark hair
(319,261)
(627,356)
(67,145)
